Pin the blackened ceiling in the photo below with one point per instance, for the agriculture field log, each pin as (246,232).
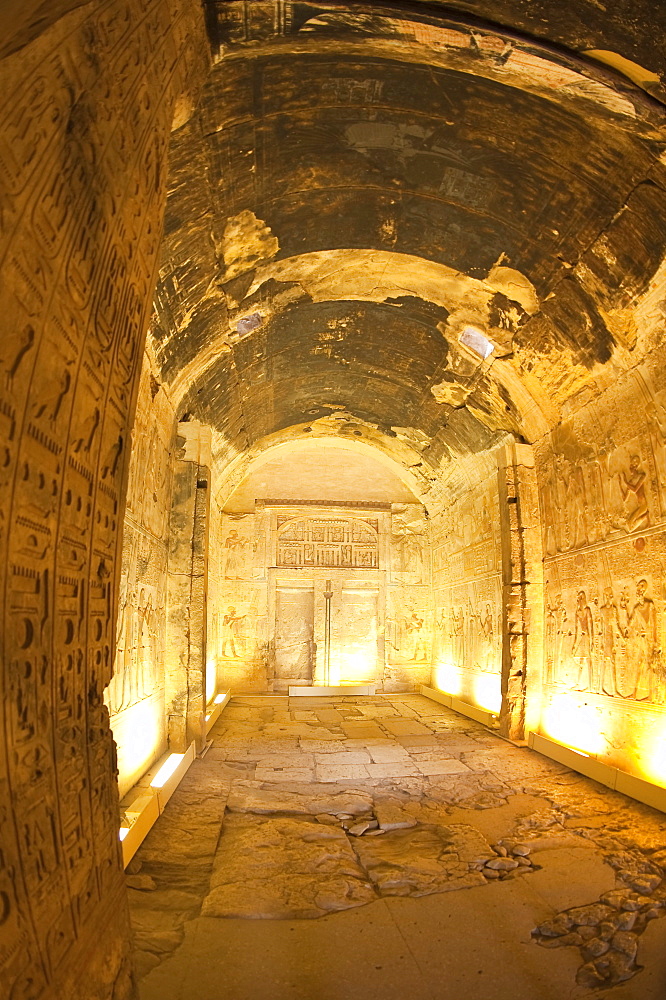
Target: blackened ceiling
(362,183)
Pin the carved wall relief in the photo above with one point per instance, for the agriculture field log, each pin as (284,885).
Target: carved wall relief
(332,542)
(467,624)
(294,636)
(265,628)
(605,563)
(408,544)
(355,654)
(237,545)
(135,695)
(85,115)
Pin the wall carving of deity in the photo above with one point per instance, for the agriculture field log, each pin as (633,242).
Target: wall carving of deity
(237,545)
(603,507)
(409,556)
(236,606)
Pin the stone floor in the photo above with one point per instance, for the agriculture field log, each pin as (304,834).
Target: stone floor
(391,849)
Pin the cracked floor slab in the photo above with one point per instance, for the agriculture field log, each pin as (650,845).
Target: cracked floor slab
(286,867)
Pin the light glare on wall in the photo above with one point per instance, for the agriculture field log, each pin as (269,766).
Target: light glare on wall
(211,678)
(122,833)
(571,721)
(488,692)
(357,667)
(448,678)
(166,770)
(138,734)
(654,763)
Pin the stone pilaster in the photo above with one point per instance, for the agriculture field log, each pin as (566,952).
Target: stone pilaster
(185,660)
(522,591)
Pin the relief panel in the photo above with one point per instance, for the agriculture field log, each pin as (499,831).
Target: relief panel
(602,496)
(330,542)
(294,636)
(467,586)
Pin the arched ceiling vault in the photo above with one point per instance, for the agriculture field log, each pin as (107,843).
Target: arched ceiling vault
(364,183)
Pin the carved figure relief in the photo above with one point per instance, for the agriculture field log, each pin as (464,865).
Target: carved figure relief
(632,486)
(233,634)
(294,635)
(234,548)
(407,540)
(236,545)
(607,645)
(583,640)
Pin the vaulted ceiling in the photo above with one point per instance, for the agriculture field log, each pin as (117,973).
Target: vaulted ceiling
(363,185)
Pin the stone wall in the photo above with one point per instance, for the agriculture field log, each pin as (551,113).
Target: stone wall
(602,479)
(270,571)
(467,585)
(135,696)
(86,112)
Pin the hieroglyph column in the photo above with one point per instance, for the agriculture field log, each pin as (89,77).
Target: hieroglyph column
(185,659)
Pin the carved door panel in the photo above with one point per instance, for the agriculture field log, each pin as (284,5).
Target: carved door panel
(294,630)
(354,637)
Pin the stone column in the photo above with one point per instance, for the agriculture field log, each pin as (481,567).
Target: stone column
(185,658)
(522,591)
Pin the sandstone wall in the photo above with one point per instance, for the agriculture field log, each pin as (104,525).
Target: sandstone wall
(268,578)
(602,480)
(135,696)
(86,113)
(467,589)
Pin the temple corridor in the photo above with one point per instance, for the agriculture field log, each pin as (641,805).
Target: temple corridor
(383,847)
(332,500)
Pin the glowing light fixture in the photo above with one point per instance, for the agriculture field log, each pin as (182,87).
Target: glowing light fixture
(166,770)
(219,698)
(122,833)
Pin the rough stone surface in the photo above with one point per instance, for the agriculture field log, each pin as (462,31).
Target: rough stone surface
(430,232)
(301,851)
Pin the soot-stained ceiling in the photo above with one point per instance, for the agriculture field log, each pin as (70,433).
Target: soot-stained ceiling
(363,183)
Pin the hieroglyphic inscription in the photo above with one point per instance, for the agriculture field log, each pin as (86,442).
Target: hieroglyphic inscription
(84,126)
(333,542)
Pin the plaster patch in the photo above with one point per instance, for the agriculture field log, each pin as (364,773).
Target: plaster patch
(247,242)
(515,286)
(450,393)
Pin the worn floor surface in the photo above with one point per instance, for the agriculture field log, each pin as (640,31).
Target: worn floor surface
(376,848)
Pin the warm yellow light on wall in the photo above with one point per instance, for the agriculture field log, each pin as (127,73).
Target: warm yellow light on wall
(352,668)
(487,690)
(570,720)
(653,757)
(448,678)
(138,732)
(122,833)
(166,770)
(211,678)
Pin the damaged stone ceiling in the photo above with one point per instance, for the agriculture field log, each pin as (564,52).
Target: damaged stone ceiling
(365,184)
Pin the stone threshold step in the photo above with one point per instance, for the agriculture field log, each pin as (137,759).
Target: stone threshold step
(342,689)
